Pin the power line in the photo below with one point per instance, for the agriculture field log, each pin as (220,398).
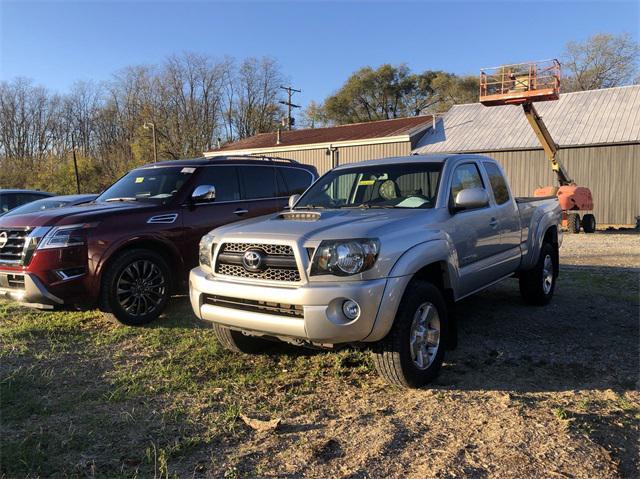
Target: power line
(290,91)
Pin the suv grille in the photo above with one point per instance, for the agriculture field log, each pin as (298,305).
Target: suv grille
(13,249)
(279,262)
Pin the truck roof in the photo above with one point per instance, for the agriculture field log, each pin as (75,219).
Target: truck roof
(431,158)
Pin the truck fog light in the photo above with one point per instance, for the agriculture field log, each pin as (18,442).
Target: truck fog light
(351,309)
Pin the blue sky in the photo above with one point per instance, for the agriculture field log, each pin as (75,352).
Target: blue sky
(318,44)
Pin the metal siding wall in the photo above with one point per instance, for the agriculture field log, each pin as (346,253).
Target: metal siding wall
(347,154)
(612,173)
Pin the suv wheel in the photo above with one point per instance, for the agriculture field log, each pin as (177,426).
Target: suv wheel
(538,284)
(135,287)
(412,353)
(239,343)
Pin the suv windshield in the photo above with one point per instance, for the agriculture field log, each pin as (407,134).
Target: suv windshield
(148,184)
(409,185)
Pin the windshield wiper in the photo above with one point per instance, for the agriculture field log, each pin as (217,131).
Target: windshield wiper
(311,207)
(124,198)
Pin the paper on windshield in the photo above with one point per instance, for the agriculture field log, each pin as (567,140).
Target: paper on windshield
(412,202)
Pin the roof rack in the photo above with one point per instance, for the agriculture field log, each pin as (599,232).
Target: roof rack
(255,157)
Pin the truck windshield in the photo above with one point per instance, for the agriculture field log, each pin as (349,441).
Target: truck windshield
(409,185)
(148,184)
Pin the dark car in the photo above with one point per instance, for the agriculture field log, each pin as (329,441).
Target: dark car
(128,250)
(51,202)
(10,199)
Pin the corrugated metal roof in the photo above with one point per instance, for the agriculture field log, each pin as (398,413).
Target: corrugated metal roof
(356,131)
(606,116)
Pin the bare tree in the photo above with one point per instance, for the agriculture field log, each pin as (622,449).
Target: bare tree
(602,61)
(254,90)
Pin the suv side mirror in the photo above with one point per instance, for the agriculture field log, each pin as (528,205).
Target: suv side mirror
(293,199)
(471,198)
(204,193)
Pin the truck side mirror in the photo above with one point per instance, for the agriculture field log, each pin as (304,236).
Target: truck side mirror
(203,193)
(293,199)
(470,199)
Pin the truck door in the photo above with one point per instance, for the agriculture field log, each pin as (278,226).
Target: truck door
(506,213)
(475,232)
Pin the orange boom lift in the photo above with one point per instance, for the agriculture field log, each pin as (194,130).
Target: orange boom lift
(523,84)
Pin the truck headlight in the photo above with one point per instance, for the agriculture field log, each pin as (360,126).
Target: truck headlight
(65,236)
(345,257)
(205,249)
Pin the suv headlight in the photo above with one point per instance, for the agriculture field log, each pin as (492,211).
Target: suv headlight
(65,236)
(345,257)
(205,249)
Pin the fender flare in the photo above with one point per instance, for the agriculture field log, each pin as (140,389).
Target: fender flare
(403,271)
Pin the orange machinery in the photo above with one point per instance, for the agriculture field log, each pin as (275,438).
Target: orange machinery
(523,84)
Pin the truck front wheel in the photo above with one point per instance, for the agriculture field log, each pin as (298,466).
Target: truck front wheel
(135,287)
(237,342)
(412,353)
(538,284)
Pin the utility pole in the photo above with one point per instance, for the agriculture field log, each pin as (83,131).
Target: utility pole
(290,91)
(152,125)
(75,162)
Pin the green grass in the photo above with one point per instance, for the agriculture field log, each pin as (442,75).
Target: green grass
(82,396)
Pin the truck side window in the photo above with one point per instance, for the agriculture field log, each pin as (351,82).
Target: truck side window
(225,180)
(498,184)
(465,177)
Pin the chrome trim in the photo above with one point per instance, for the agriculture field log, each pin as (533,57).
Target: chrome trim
(29,245)
(166,219)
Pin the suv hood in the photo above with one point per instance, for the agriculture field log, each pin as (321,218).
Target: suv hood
(71,214)
(330,224)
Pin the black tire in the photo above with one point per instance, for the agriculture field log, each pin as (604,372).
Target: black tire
(240,343)
(589,223)
(573,223)
(534,283)
(145,298)
(393,357)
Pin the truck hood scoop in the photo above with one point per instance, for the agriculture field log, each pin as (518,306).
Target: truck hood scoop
(300,215)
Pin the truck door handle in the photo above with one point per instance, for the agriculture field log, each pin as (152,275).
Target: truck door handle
(493,222)
(240,211)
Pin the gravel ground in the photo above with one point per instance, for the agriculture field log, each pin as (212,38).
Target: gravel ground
(604,248)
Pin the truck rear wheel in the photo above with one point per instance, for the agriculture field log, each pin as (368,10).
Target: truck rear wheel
(412,353)
(573,223)
(589,223)
(135,287)
(239,343)
(538,284)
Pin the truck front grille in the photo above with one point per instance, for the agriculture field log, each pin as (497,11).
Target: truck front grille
(264,307)
(13,249)
(278,262)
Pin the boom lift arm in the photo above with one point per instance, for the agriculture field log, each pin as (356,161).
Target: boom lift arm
(550,147)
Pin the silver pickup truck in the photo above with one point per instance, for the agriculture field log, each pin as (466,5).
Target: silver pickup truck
(377,252)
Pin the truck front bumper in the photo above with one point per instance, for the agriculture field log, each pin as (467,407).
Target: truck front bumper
(312,312)
(27,290)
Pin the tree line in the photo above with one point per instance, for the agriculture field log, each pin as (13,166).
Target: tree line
(196,102)
(193,101)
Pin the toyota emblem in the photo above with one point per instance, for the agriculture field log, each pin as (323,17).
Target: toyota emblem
(252,260)
(4,239)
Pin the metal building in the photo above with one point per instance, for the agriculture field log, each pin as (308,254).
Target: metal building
(328,147)
(598,133)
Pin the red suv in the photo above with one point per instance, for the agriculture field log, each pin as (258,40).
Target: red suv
(128,250)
